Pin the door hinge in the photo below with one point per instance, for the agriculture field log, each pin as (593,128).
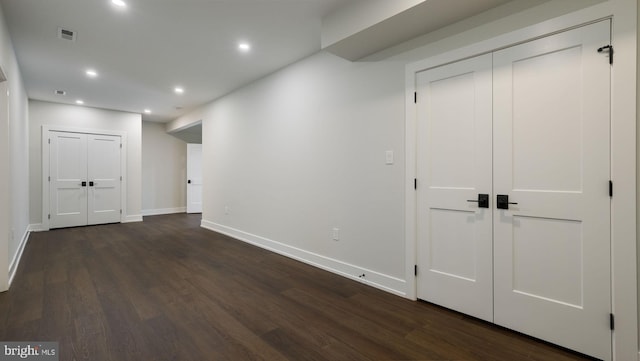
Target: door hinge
(609,48)
(415,97)
(120,145)
(415,270)
(121,211)
(612,322)
(49,140)
(120,178)
(610,188)
(49,178)
(415,183)
(49,216)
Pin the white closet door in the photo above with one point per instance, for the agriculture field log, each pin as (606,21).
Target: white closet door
(454,152)
(104,179)
(68,184)
(194,178)
(551,157)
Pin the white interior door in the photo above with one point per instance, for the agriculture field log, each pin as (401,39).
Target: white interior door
(551,157)
(68,183)
(104,180)
(454,147)
(194,178)
(85,179)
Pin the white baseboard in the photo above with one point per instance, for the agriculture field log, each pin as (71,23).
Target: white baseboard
(160,211)
(375,279)
(13,267)
(37,227)
(132,218)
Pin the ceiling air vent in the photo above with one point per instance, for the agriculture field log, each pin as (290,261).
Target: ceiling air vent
(66,34)
(60,92)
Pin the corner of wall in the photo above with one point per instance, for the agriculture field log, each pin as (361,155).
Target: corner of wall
(15,262)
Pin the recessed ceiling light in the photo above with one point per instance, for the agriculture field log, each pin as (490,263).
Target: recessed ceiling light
(91,73)
(179,90)
(79,102)
(148,111)
(244,47)
(119,3)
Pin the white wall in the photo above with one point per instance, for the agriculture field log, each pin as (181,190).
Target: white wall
(14,190)
(164,171)
(45,113)
(303,151)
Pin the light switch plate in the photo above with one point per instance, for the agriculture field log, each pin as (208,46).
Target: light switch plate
(389,157)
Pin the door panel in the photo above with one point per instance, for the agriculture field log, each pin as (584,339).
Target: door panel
(546,100)
(194,178)
(68,169)
(452,252)
(533,238)
(551,156)
(104,172)
(454,147)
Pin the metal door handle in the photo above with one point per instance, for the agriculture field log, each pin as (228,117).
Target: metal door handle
(189,181)
(483,200)
(91,184)
(83,184)
(502,201)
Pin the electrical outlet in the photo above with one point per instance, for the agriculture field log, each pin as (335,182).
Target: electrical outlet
(336,234)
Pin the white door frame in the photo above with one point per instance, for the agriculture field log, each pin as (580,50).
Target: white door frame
(623,153)
(45,166)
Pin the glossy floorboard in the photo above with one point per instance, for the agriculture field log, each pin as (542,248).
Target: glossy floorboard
(166,289)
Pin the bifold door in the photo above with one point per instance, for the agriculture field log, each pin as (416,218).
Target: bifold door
(84,178)
(544,240)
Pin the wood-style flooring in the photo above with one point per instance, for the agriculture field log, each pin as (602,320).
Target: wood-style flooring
(166,289)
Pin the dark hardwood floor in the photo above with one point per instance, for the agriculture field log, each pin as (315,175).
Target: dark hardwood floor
(166,289)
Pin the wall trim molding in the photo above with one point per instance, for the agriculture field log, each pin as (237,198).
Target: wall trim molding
(37,227)
(371,278)
(160,211)
(15,262)
(132,218)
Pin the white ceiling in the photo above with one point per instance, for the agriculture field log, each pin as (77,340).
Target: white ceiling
(143,51)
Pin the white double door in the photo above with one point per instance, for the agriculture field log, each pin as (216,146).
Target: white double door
(530,122)
(85,179)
